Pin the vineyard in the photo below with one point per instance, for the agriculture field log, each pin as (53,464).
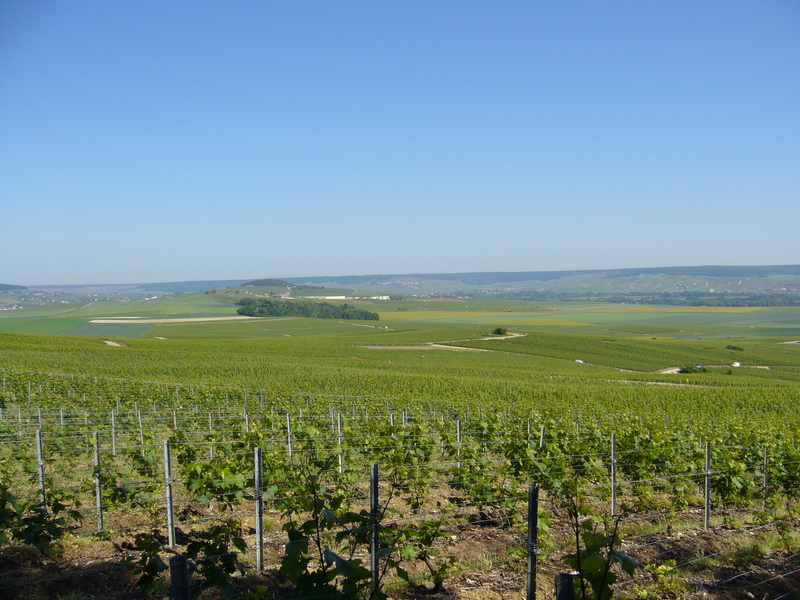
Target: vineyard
(337,464)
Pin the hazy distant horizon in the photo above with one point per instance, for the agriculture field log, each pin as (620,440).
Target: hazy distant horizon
(341,276)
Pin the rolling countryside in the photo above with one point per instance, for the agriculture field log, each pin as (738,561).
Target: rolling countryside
(462,402)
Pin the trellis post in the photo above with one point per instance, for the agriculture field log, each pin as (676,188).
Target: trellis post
(707,503)
(40,468)
(259,495)
(533,539)
(374,511)
(98,483)
(168,493)
(613,473)
(289,434)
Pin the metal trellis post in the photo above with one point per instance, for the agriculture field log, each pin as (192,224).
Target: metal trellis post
(533,539)
(40,468)
(98,483)
(374,511)
(707,511)
(168,492)
(259,495)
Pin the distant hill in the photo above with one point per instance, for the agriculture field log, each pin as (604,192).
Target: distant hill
(654,283)
(181,287)
(494,277)
(42,295)
(650,280)
(172,287)
(7,286)
(266,283)
(711,271)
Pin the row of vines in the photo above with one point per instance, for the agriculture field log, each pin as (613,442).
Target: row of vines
(87,455)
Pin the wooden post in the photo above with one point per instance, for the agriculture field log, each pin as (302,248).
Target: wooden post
(565,589)
(179,577)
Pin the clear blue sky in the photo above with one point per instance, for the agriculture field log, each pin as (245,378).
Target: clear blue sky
(157,141)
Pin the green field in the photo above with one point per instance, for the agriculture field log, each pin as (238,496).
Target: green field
(616,361)
(176,339)
(186,369)
(565,317)
(611,359)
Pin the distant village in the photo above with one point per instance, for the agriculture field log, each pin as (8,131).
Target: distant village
(348,297)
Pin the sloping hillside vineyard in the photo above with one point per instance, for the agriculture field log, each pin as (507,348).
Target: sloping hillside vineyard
(251,455)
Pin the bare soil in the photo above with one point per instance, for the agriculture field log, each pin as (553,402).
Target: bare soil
(712,565)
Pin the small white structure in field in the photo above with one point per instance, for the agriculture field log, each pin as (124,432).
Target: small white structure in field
(736,364)
(578,360)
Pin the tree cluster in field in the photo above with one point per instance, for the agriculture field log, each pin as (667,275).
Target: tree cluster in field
(262,307)
(281,283)
(266,283)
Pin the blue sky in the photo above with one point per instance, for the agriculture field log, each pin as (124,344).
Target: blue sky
(161,141)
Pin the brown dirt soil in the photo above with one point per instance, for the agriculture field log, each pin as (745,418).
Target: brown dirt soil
(491,566)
